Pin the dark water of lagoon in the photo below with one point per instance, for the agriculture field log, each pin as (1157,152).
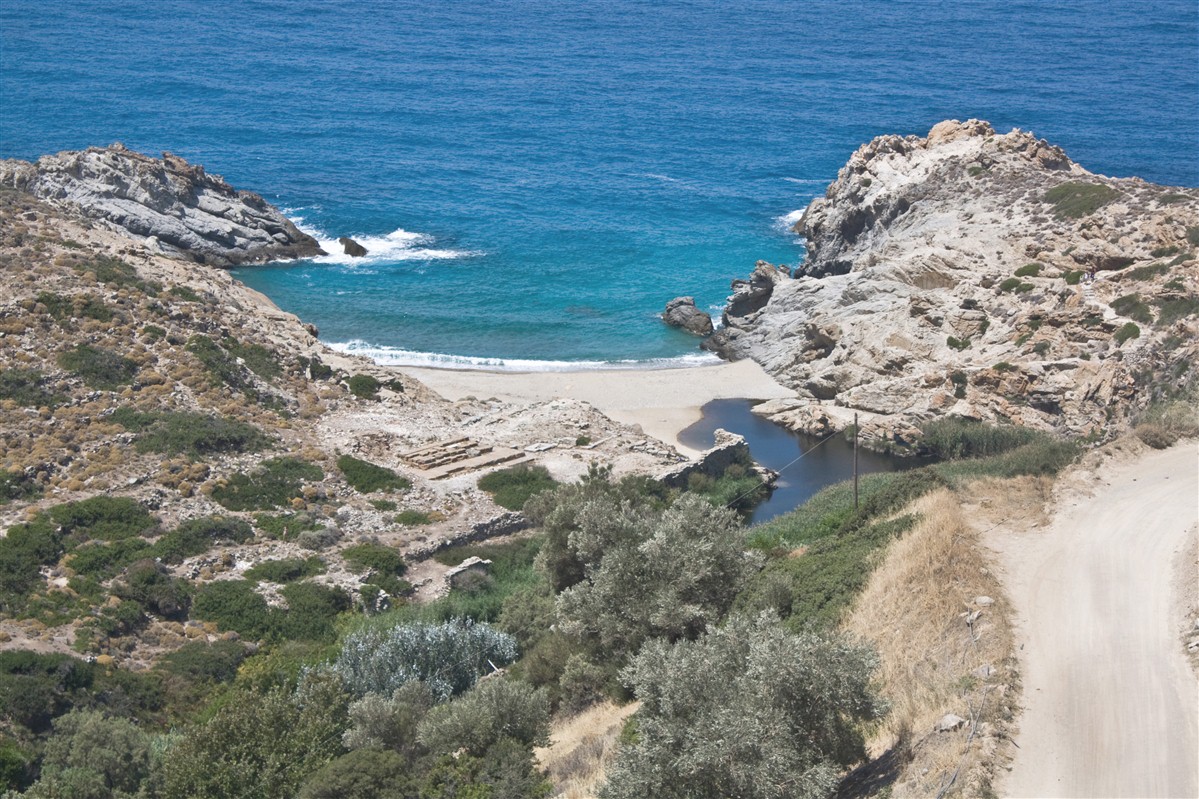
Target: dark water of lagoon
(819,464)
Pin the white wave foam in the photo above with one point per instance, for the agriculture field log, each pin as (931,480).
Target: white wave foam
(787,222)
(396,356)
(398,245)
(807,181)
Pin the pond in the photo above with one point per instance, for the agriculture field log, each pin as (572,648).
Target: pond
(805,464)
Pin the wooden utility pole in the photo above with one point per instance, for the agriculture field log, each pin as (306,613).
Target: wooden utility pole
(855,461)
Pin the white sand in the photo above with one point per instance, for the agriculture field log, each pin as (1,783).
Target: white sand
(662,401)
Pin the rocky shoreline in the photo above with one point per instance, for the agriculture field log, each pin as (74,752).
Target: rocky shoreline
(978,275)
(175,207)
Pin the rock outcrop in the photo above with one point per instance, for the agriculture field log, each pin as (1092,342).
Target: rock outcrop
(946,275)
(681,312)
(179,208)
(351,247)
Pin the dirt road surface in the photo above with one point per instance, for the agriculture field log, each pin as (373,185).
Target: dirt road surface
(1111,707)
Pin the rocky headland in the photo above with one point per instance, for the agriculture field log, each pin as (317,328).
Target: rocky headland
(978,275)
(176,207)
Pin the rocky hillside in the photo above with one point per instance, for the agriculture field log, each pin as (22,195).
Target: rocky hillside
(165,430)
(947,275)
(177,207)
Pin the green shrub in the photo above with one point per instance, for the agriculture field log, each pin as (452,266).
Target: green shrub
(26,388)
(1129,330)
(951,438)
(98,368)
(117,273)
(102,561)
(1041,348)
(185,293)
(737,488)
(365,387)
(958,344)
(412,518)
(383,504)
(1045,456)
(311,609)
(1009,284)
(1073,276)
(377,558)
(315,368)
(276,482)
(1029,270)
(491,711)
(448,657)
(285,526)
(258,744)
(1132,306)
(17,485)
(1193,236)
(189,433)
(1169,198)
(103,518)
(197,536)
(152,333)
(199,661)
(220,361)
(512,487)
(1003,366)
(1075,200)
(233,605)
(367,478)
(285,570)
(64,308)
(1171,309)
(960,380)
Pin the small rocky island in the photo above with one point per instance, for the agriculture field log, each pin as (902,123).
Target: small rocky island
(977,275)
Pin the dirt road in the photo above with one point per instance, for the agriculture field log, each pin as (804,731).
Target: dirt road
(1111,708)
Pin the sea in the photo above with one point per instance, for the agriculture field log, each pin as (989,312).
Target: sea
(535,179)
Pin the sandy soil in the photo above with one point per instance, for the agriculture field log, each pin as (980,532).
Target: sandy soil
(1111,707)
(662,401)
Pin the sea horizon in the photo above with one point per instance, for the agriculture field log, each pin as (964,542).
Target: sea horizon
(534,184)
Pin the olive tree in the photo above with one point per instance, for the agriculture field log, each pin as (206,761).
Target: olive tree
(670,577)
(748,710)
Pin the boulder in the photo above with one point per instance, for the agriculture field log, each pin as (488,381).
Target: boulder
(351,247)
(681,312)
(188,213)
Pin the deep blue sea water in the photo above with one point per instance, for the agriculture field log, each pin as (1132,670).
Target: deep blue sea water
(536,179)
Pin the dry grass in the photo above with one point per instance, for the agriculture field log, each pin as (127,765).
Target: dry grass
(919,610)
(581,747)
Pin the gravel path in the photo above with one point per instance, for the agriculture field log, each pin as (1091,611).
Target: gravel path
(1111,707)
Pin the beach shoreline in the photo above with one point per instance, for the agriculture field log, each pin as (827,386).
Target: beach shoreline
(662,402)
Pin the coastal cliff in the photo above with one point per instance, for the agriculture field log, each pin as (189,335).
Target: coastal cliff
(180,209)
(948,275)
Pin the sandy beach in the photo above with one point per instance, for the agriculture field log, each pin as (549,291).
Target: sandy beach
(662,401)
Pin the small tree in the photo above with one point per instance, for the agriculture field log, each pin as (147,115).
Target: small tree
(749,710)
(494,710)
(90,756)
(672,578)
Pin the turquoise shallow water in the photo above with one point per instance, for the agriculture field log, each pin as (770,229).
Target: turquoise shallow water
(536,179)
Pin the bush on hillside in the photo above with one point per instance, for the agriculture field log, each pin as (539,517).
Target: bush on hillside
(512,487)
(188,433)
(275,483)
(97,367)
(368,478)
(448,657)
